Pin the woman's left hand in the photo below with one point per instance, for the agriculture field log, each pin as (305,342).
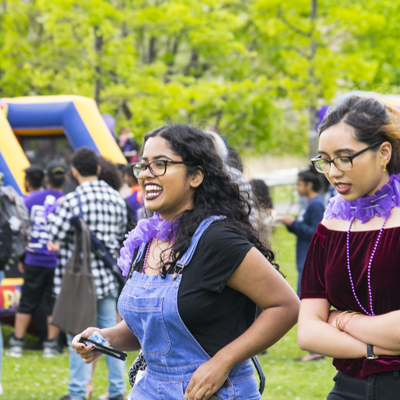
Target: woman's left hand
(332,317)
(206,380)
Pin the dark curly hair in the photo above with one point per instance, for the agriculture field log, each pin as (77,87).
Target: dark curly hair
(373,121)
(109,173)
(85,161)
(217,195)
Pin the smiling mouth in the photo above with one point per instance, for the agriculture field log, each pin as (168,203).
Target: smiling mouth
(152,191)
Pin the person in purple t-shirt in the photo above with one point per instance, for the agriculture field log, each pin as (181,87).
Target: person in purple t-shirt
(135,199)
(39,264)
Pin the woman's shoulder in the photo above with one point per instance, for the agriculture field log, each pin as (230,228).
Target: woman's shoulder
(222,235)
(335,224)
(224,227)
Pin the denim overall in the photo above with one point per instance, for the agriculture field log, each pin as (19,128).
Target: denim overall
(149,306)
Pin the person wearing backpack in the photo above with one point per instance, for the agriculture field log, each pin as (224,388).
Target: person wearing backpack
(39,263)
(5,253)
(105,214)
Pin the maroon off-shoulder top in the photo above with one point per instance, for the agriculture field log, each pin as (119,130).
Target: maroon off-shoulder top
(325,276)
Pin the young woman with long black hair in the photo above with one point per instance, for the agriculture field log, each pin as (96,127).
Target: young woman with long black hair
(196,271)
(353,259)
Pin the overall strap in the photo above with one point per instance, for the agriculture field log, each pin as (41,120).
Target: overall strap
(142,249)
(86,258)
(186,258)
(260,372)
(79,204)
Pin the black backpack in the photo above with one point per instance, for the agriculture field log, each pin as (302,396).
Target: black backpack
(12,208)
(5,241)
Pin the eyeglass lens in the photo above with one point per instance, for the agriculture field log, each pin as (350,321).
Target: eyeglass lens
(157,168)
(341,163)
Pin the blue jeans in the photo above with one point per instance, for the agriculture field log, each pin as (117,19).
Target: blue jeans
(1,335)
(80,372)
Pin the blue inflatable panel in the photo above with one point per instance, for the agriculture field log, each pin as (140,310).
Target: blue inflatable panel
(76,131)
(9,179)
(42,115)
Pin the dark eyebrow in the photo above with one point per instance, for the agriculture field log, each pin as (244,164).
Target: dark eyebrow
(346,150)
(156,158)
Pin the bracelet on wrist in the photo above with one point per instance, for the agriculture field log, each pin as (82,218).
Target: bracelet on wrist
(339,319)
(341,325)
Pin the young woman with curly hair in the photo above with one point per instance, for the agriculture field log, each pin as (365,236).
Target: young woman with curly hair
(196,271)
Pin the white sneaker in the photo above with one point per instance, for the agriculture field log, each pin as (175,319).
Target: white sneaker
(50,348)
(16,346)
(1,389)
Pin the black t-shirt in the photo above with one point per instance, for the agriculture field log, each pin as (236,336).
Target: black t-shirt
(214,313)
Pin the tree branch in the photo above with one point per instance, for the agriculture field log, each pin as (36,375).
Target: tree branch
(292,27)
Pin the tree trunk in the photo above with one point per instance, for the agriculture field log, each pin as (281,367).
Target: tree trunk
(312,84)
(152,50)
(98,47)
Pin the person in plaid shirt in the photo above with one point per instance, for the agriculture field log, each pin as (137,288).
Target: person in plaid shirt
(104,212)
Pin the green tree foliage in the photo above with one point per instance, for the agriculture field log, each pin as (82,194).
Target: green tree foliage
(257,69)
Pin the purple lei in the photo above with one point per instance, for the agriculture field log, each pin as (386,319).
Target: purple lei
(367,207)
(145,230)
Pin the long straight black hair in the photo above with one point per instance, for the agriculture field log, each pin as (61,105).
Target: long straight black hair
(217,194)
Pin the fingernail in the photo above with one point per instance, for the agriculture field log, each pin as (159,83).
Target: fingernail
(92,346)
(82,346)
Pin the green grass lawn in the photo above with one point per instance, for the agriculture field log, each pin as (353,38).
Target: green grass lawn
(34,377)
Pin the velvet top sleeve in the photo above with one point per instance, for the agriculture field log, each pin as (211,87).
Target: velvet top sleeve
(313,277)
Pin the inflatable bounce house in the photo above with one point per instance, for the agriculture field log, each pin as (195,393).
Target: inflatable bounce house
(35,130)
(51,123)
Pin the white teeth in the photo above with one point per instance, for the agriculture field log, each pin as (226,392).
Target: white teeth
(152,187)
(342,186)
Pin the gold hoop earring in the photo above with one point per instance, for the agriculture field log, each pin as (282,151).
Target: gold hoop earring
(384,168)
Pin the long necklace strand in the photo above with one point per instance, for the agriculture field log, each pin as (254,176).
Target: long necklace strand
(147,255)
(368,270)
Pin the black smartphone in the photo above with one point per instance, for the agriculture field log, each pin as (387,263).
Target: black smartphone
(214,397)
(109,351)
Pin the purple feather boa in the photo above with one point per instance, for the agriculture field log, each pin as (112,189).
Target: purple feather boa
(367,207)
(145,230)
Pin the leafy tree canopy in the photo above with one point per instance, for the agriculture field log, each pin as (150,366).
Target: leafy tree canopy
(257,69)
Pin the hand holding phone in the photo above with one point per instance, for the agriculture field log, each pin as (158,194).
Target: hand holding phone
(109,351)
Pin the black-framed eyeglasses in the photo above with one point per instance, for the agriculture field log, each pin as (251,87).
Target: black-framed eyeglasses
(156,167)
(342,163)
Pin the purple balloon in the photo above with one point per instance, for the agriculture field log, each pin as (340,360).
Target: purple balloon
(110,122)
